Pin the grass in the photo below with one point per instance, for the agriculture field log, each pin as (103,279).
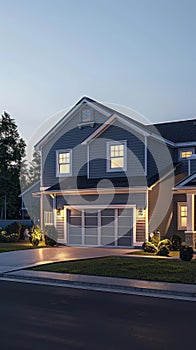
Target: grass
(128,267)
(172,254)
(20,245)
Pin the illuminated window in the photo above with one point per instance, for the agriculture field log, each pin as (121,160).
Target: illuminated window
(182,216)
(64,163)
(116,156)
(186,153)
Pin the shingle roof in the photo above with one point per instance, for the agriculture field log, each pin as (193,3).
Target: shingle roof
(178,131)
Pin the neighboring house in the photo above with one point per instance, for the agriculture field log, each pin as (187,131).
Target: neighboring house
(108,179)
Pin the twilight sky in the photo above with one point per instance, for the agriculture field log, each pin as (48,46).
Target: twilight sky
(136,53)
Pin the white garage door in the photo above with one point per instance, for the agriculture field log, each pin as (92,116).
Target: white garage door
(111,226)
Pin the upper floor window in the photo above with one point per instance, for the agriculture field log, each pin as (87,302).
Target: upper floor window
(182,216)
(87,115)
(186,153)
(64,160)
(116,156)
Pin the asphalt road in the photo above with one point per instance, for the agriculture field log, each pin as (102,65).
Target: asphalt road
(44,317)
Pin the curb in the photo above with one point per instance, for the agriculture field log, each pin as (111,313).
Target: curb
(185,295)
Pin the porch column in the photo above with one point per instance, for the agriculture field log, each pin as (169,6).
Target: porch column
(190,233)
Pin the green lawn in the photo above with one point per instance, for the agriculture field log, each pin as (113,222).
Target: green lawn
(172,254)
(128,267)
(21,245)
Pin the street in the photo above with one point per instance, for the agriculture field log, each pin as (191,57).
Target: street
(46,317)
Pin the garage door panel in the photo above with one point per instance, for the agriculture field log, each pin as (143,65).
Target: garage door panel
(125,231)
(107,220)
(90,231)
(89,240)
(116,227)
(75,239)
(124,241)
(76,221)
(107,241)
(125,221)
(107,231)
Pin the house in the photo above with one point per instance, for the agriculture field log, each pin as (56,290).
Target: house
(108,179)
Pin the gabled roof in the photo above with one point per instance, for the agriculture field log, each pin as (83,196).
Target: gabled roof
(178,131)
(68,116)
(171,132)
(188,182)
(109,122)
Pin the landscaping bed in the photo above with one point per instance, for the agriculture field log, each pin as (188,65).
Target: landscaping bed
(154,269)
(172,254)
(20,245)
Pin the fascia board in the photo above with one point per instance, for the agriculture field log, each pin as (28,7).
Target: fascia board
(185,181)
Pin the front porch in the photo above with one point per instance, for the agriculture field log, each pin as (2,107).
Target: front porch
(188,187)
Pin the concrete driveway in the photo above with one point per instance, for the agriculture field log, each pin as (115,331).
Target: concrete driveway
(17,260)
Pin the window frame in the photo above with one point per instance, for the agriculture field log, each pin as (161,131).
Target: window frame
(48,214)
(91,115)
(108,156)
(58,174)
(179,223)
(185,149)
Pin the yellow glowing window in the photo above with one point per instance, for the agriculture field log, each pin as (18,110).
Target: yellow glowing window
(64,162)
(186,154)
(117,156)
(182,216)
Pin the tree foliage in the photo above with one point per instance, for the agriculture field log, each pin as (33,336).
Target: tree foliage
(34,169)
(12,151)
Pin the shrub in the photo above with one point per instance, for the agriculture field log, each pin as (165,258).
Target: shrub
(7,238)
(163,250)
(165,242)
(149,247)
(36,235)
(176,242)
(186,253)
(156,238)
(14,227)
(50,235)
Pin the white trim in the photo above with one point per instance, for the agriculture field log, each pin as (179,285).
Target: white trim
(185,181)
(185,144)
(145,156)
(161,179)
(82,208)
(189,167)
(134,227)
(99,228)
(146,228)
(128,124)
(117,190)
(99,131)
(108,157)
(179,205)
(65,226)
(65,119)
(54,209)
(83,227)
(57,162)
(88,162)
(98,109)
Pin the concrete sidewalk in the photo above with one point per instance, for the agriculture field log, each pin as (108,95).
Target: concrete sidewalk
(107,284)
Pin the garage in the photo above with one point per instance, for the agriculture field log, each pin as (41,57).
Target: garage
(101,226)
